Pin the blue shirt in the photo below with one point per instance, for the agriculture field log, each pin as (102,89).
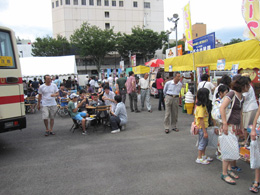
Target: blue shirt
(121,113)
(171,88)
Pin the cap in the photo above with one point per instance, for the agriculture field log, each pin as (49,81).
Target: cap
(73,95)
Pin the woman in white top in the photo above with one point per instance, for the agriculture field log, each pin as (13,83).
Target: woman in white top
(249,108)
(206,84)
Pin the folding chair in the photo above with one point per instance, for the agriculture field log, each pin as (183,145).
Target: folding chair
(30,104)
(102,115)
(62,110)
(76,124)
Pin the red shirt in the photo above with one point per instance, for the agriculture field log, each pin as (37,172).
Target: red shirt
(129,85)
(159,83)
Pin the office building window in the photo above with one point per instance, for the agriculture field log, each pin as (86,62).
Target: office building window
(67,2)
(113,3)
(75,2)
(107,25)
(98,2)
(106,14)
(121,3)
(91,2)
(106,3)
(57,3)
(147,5)
(135,3)
(83,2)
(52,5)
(60,2)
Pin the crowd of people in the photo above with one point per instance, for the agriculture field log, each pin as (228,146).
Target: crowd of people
(233,100)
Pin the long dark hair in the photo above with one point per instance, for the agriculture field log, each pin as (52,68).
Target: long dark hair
(239,84)
(202,97)
(222,89)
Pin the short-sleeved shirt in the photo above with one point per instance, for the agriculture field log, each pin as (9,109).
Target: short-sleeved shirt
(96,103)
(111,95)
(46,92)
(121,83)
(201,112)
(171,88)
(71,106)
(159,83)
(120,111)
(129,84)
(235,116)
(57,82)
(250,100)
(207,85)
(144,83)
(83,106)
(35,84)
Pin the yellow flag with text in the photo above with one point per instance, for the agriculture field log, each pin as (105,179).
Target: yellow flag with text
(188,27)
(250,11)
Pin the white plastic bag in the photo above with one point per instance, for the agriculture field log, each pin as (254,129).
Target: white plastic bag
(229,146)
(254,155)
(212,137)
(139,97)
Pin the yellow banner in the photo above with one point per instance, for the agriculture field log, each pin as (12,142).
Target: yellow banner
(187,26)
(250,11)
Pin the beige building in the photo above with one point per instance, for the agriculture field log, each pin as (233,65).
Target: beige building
(198,30)
(122,15)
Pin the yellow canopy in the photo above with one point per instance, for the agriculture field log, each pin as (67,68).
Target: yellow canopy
(141,69)
(246,54)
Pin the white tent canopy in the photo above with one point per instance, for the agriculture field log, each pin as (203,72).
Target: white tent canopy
(39,66)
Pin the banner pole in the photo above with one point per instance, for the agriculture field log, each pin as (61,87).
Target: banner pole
(194,72)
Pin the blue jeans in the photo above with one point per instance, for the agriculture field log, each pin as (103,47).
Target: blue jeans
(161,99)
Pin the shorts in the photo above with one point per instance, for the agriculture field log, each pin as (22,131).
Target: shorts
(79,116)
(248,118)
(48,112)
(203,142)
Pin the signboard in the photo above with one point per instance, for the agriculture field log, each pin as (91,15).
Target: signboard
(201,71)
(122,65)
(221,64)
(234,70)
(204,43)
(171,52)
(133,60)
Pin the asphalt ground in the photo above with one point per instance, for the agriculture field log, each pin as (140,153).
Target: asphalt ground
(142,159)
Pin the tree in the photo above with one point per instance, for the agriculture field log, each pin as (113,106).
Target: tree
(49,46)
(94,42)
(142,41)
(233,41)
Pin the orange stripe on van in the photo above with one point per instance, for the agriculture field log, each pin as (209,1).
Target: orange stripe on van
(3,81)
(11,99)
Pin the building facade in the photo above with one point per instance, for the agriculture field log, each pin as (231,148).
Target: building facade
(121,15)
(199,30)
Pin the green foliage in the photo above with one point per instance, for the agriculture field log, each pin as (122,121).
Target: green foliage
(142,41)
(233,41)
(49,46)
(93,41)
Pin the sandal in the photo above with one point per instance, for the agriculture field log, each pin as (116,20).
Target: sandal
(254,187)
(229,181)
(51,133)
(46,133)
(236,168)
(175,129)
(232,174)
(167,131)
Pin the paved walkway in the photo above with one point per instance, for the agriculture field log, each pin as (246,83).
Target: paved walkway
(140,160)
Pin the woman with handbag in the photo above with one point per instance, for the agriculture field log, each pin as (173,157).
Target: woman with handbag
(255,185)
(231,115)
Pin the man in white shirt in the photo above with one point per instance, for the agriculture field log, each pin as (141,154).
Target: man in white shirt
(86,80)
(47,94)
(110,80)
(145,92)
(108,97)
(92,83)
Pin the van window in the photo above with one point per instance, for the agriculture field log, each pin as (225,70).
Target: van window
(7,60)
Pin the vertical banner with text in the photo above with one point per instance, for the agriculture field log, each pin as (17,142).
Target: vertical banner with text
(133,60)
(188,27)
(250,12)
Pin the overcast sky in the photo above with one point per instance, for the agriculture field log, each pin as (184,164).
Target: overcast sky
(32,18)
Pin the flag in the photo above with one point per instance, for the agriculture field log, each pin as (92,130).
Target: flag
(188,27)
(250,12)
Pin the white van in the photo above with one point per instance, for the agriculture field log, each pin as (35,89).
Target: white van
(12,110)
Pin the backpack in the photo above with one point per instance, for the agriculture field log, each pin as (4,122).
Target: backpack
(154,85)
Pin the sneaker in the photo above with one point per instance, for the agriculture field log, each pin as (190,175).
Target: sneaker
(207,158)
(219,157)
(84,133)
(201,161)
(115,131)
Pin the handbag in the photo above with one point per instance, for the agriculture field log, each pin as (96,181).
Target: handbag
(254,155)
(194,129)
(229,146)
(230,107)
